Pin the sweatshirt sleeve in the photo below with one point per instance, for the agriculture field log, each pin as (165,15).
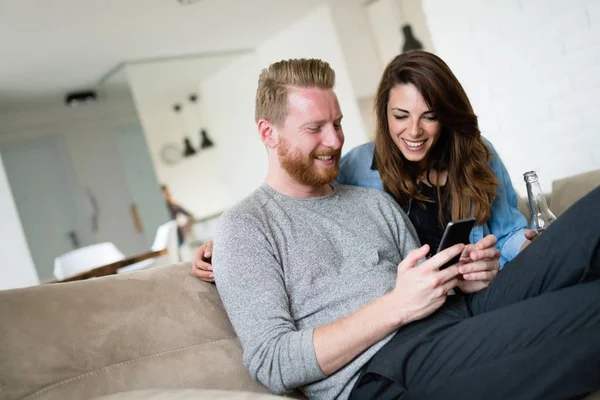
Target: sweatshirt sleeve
(408,239)
(404,231)
(250,281)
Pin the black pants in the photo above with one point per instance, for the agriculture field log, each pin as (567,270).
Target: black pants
(534,333)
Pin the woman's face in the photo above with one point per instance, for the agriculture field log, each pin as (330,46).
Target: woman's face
(414,126)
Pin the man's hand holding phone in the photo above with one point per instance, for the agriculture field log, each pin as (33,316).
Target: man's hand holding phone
(423,289)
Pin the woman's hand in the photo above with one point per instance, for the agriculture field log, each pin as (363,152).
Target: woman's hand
(479,264)
(201,266)
(529,235)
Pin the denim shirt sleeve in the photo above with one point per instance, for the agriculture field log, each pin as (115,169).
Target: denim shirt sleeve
(355,168)
(506,221)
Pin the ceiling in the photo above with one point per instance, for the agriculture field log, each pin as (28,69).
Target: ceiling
(48,48)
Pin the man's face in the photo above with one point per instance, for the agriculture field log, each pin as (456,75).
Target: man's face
(311,138)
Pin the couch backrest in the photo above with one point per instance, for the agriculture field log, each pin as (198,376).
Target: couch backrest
(567,191)
(159,328)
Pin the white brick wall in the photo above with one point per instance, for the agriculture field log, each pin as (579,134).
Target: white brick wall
(532,71)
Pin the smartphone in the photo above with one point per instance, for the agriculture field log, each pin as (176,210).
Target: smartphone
(456,232)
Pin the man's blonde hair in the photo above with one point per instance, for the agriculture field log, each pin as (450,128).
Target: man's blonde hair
(273,83)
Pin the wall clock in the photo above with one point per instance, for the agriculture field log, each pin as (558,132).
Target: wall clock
(170,153)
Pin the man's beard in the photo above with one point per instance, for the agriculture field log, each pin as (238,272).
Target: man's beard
(303,169)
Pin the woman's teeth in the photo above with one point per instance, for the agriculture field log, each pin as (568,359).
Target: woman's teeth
(414,144)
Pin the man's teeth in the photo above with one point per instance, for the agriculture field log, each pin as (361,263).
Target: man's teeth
(324,158)
(414,144)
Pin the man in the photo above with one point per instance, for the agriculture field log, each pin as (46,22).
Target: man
(329,292)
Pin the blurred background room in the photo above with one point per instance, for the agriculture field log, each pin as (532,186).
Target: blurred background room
(103,102)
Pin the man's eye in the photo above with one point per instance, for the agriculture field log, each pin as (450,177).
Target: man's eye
(313,129)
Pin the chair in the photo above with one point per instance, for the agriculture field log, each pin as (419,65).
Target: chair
(105,259)
(166,238)
(85,259)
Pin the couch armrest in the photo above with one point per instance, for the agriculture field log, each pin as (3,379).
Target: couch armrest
(155,328)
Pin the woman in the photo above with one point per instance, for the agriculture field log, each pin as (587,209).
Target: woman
(429,155)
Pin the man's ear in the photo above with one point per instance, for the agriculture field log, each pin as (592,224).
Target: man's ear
(267,133)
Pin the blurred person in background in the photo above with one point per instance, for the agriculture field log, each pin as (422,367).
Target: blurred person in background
(184,218)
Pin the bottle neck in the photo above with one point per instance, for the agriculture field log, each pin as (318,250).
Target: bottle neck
(537,201)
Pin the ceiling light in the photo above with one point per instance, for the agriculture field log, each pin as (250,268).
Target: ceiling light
(75,99)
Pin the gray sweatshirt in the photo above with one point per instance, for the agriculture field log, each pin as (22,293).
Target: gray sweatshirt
(285,266)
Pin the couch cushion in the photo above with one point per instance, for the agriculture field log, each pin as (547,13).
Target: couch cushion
(159,328)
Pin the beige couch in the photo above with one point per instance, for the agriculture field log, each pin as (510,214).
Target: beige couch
(161,331)
(160,328)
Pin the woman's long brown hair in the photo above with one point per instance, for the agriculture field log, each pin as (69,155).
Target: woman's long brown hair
(459,150)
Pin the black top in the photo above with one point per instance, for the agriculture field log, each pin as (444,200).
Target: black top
(424,216)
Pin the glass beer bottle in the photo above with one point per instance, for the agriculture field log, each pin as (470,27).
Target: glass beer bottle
(541,216)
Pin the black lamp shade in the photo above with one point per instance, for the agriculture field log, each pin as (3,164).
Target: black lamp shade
(188,150)
(410,41)
(205,140)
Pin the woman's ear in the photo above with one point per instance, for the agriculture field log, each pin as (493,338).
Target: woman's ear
(267,133)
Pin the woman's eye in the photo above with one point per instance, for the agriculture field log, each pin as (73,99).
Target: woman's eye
(400,117)
(431,118)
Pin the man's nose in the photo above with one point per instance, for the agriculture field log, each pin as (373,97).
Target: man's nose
(333,137)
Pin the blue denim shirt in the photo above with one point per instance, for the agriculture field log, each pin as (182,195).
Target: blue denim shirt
(506,221)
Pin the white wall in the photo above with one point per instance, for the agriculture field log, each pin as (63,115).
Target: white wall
(360,52)
(198,183)
(532,71)
(16,265)
(241,156)
(385,23)
(90,137)
(358,46)
(314,36)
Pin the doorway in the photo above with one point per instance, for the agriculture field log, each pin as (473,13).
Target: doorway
(43,184)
